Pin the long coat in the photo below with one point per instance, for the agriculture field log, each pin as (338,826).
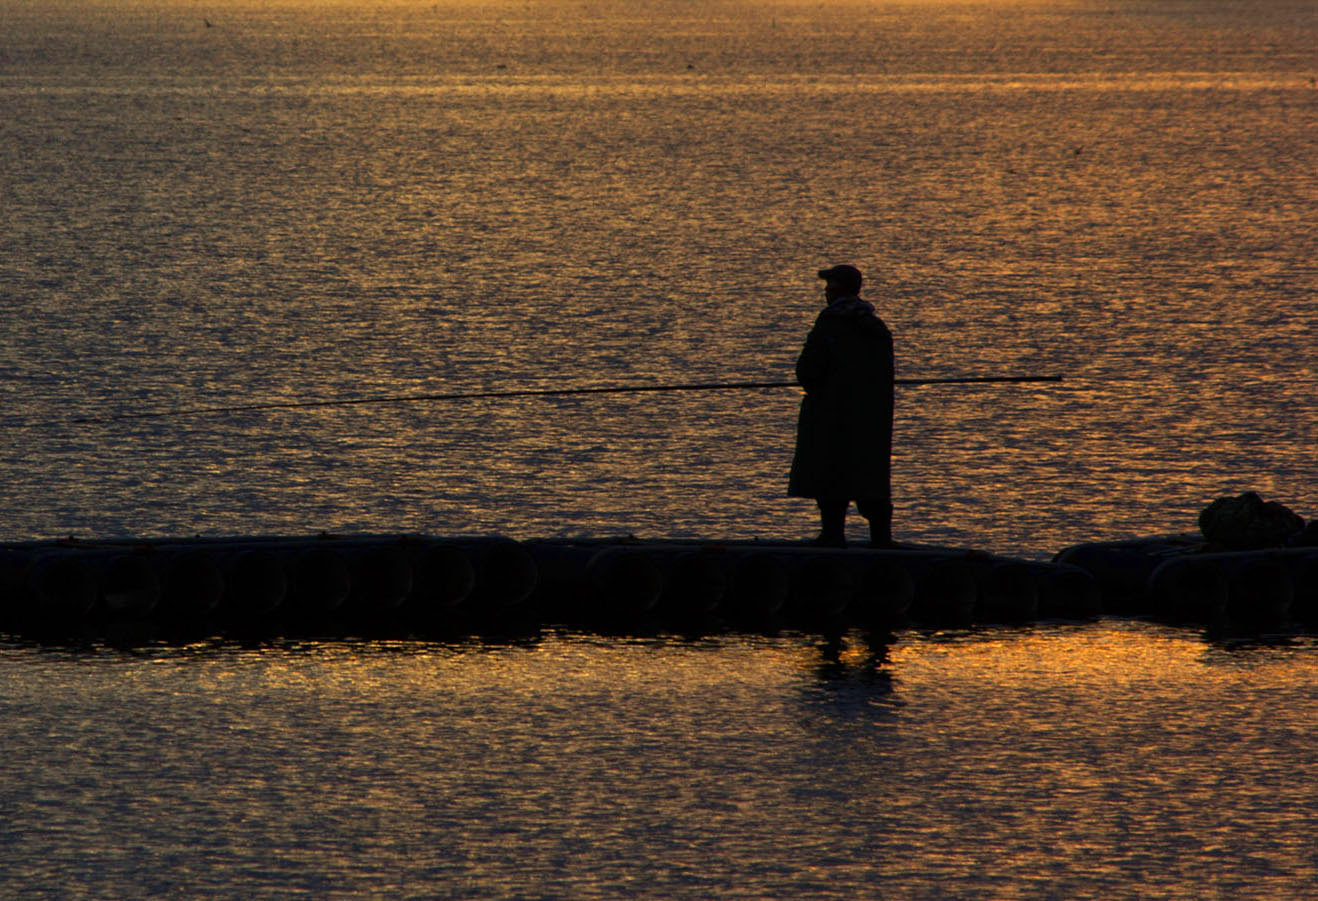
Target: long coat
(844,434)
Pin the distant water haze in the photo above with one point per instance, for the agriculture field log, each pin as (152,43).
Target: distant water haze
(333,200)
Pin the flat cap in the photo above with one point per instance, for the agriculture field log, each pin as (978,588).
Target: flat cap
(847,276)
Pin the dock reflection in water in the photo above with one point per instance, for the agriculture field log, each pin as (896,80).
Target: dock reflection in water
(1104,760)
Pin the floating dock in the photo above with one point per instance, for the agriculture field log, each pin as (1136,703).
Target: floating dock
(416,586)
(1183,579)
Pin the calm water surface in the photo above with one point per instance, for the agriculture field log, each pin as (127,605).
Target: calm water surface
(339,202)
(342,201)
(1098,761)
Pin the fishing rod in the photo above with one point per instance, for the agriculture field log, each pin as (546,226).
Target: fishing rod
(528,392)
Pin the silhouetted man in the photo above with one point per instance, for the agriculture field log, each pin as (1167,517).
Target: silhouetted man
(844,435)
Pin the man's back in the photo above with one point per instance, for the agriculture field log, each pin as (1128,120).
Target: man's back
(845,436)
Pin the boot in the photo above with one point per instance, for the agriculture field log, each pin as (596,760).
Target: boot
(832,523)
(881,527)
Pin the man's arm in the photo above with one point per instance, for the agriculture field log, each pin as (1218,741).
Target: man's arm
(812,364)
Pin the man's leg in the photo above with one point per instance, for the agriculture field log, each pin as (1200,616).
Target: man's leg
(879,512)
(832,521)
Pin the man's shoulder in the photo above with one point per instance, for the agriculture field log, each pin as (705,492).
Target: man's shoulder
(868,324)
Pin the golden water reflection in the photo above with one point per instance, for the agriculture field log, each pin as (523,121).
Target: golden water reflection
(344,202)
(1109,760)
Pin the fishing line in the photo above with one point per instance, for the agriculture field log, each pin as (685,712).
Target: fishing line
(525,392)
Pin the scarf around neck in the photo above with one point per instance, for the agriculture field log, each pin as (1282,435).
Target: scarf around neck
(850,306)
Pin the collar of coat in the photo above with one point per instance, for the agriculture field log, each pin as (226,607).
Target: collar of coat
(849,306)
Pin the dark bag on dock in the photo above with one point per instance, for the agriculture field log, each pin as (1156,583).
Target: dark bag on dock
(1248,522)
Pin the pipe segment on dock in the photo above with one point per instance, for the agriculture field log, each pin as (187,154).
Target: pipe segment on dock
(381,576)
(1260,593)
(1222,589)
(585,580)
(506,573)
(884,592)
(47,586)
(822,586)
(674,581)
(946,589)
(1304,581)
(1188,588)
(1067,592)
(192,585)
(1121,569)
(319,579)
(256,582)
(1008,593)
(758,586)
(129,585)
(695,584)
(443,577)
